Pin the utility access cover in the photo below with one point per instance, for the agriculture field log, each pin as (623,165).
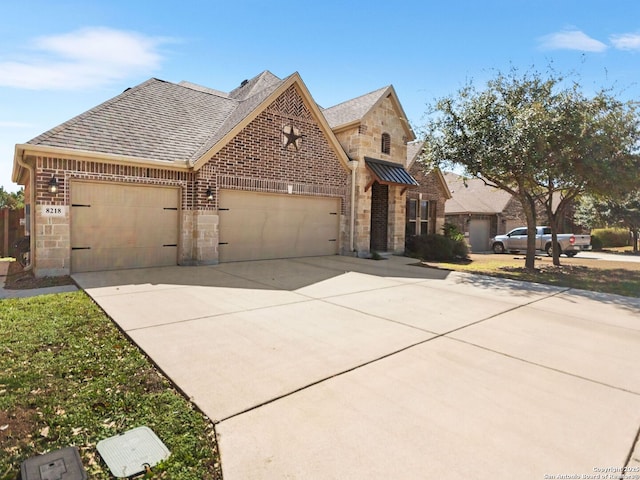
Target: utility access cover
(131,452)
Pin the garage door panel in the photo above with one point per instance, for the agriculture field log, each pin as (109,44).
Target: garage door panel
(261,226)
(116,226)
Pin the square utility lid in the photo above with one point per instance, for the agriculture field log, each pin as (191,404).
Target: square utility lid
(61,464)
(131,452)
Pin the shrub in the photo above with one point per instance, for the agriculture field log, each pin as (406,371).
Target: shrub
(596,243)
(436,247)
(610,237)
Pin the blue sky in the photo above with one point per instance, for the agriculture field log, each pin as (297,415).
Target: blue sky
(61,58)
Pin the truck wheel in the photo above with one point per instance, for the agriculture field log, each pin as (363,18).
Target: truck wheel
(498,248)
(549,249)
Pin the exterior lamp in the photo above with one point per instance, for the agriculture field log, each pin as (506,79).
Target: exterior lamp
(53,185)
(209,194)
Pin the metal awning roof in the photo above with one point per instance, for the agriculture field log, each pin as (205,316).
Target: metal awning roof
(389,173)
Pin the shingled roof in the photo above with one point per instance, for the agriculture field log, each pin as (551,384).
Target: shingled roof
(473,196)
(354,109)
(161,120)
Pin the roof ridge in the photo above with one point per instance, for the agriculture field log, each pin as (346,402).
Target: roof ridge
(92,111)
(252,101)
(204,89)
(358,97)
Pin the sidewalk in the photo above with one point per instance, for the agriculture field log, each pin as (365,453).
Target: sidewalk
(31,292)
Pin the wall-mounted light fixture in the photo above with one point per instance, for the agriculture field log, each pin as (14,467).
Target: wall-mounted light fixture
(209,194)
(53,185)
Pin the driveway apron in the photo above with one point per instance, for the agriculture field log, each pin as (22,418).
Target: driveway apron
(338,367)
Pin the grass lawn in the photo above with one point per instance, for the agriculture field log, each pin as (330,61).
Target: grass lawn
(69,377)
(622,278)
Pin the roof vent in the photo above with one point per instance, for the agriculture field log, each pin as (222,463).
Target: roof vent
(244,82)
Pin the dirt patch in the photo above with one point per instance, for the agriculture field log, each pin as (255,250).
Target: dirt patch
(18,279)
(15,427)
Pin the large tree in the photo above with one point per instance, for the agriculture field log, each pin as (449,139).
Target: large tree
(536,138)
(591,148)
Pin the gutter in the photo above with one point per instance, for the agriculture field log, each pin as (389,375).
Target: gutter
(353,164)
(32,207)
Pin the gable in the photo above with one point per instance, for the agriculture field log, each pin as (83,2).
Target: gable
(288,99)
(257,150)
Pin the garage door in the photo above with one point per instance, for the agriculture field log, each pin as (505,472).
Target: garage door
(115,226)
(479,235)
(261,226)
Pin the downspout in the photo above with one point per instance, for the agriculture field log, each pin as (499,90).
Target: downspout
(354,166)
(32,211)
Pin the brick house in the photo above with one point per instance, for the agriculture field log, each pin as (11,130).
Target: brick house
(167,174)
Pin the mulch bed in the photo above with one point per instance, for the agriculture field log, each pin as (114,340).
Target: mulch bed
(18,279)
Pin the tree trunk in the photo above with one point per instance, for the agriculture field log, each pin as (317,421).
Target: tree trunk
(529,207)
(554,220)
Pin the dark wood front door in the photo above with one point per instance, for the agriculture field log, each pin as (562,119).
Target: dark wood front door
(379,217)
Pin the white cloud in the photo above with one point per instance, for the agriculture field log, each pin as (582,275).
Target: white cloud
(626,41)
(88,57)
(571,40)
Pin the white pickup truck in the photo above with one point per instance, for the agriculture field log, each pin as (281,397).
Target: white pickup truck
(516,241)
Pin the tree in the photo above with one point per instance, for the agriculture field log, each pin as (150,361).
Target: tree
(12,200)
(535,138)
(591,148)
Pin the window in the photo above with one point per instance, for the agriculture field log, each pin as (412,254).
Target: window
(386,143)
(424,217)
(412,214)
(418,213)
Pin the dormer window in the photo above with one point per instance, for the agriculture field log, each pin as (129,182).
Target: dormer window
(386,143)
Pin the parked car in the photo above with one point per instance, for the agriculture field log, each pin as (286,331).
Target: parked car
(516,241)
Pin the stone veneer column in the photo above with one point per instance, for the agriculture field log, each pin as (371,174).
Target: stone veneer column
(52,243)
(186,255)
(396,222)
(363,212)
(206,237)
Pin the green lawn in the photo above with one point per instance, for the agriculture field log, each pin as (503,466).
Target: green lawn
(69,377)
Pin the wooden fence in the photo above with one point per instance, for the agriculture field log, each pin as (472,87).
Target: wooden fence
(10,230)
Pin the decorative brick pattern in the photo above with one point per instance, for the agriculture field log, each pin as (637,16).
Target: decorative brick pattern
(291,106)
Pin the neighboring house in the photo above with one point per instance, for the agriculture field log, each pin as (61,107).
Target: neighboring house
(482,212)
(167,174)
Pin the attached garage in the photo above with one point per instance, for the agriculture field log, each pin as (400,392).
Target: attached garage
(116,226)
(255,225)
(479,235)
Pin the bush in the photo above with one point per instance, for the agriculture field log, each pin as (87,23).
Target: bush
(609,237)
(596,243)
(436,247)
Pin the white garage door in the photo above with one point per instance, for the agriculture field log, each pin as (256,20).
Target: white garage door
(257,225)
(479,235)
(116,226)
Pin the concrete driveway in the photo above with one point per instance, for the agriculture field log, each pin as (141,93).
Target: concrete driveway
(343,368)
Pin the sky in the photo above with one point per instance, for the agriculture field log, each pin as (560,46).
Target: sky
(61,58)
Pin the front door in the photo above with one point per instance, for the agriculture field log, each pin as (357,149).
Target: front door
(379,217)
